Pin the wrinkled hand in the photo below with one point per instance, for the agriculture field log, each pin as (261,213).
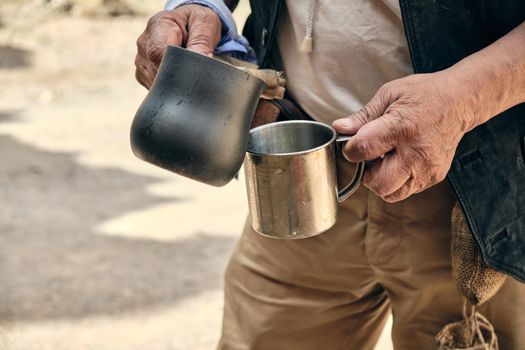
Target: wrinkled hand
(195,27)
(416,122)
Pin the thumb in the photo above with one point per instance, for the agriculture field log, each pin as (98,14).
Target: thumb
(375,108)
(204,31)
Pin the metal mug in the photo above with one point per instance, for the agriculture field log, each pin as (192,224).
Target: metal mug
(196,117)
(291,178)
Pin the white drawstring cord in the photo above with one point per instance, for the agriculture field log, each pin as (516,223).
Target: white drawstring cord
(308,42)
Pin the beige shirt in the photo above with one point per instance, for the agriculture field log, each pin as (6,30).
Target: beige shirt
(358,45)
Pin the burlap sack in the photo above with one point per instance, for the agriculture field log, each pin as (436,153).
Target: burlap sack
(474,279)
(274,80)
(477,283)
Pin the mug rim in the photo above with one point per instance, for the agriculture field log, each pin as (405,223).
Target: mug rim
(284,154)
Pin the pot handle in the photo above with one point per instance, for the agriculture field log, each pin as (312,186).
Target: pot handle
(353,185)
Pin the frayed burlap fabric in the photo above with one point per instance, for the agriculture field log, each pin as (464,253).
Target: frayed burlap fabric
(477,283)
(274,80)
(474,279)
(474,332)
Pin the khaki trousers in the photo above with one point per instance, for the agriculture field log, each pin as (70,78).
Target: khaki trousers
(336,290)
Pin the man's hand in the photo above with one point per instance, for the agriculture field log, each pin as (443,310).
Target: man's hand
(416,123)
(195,27)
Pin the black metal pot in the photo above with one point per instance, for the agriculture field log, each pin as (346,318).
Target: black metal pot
(196,117)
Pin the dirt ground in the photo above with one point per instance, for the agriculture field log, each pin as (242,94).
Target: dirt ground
(98,250)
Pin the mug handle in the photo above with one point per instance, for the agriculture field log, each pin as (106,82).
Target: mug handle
(353,185)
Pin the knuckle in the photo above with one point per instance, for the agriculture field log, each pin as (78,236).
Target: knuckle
(421,155)
(164,14)
(374,181)
(376,186)
(406,130)
(391,130)
(362,149)
(381,190)
(153,20)
(377,106)
(417,187)
(393,198)
(396,117)
(177,30)
(201,40)
(200,12)
(207,15)
(138,61)
(426,153)
(390,92)
(154,52)
(436,176)
(140,78)
(404,126)
(403,193)
(441,176)
(404,169)
(140,41)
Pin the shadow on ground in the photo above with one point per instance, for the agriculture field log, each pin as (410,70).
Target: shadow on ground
(53,264)
(8,116)
(12,57)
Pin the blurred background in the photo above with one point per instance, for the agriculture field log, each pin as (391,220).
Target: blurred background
(98,250)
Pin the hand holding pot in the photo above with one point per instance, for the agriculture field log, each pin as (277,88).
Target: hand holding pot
(195,27)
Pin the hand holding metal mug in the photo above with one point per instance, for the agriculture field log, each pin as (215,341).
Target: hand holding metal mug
(291,179)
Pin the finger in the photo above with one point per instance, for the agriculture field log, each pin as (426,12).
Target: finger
(204,31)
(373,140)
(372,110)
(144,73)
(144,77)
(386,176)
(405,191)
(163,31)
(141,45)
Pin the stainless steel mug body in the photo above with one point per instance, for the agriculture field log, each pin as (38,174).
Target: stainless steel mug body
(291,179)
(196,117)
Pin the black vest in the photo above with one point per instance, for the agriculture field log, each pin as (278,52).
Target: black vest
(488,171)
